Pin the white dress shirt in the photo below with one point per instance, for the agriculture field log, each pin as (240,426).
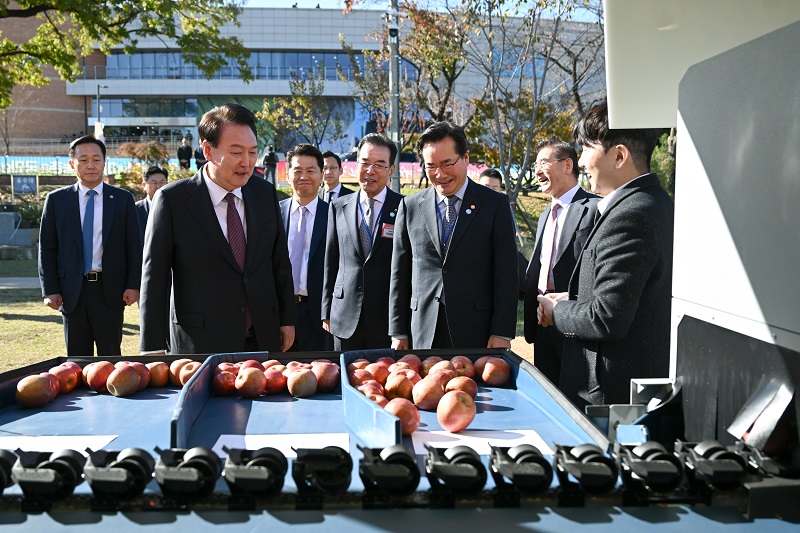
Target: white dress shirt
(97,227)
(564,201)
(294,226)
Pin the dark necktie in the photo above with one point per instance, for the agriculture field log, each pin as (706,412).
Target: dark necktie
(88,232)
(237,242)
(448,221)
(549,247)
(298,243)
(365,232)
(328,195)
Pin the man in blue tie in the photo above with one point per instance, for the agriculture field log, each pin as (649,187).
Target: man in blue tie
(90,254)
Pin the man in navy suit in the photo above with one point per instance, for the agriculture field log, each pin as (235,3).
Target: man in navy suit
(615,314)
(358,258)
(556,169)
(90,254)
(305,218)
(454,265)
(154,179)
(331,173)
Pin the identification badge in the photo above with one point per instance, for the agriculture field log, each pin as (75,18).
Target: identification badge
(387,231)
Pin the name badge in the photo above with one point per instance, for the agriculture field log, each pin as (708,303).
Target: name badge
(387,231)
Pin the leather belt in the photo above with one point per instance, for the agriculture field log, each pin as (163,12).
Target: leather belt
(94,276)
(299,298)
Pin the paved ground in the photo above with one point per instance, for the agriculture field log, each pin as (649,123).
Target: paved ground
(19,283)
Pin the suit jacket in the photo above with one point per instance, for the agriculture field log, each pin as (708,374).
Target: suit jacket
(356,288)
(478,276)
(184,244)
(342,192)
(141,215)
(577,224)
(61,246)
(617,320)
(316,255)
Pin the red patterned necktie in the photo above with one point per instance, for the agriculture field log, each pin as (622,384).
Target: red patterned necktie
(237,242)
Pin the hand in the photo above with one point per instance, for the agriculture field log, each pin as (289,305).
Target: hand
(544,313)
(326,325)
(287,337)
(400,344)
(53,301)
(498,342)
(130,296)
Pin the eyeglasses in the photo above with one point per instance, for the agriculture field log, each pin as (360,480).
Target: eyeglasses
(541,163)
(377,167)
(444,166)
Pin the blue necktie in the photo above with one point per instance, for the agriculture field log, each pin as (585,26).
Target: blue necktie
(88,232)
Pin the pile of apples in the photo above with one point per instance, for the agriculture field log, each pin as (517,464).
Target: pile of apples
(446,386)
(250,379)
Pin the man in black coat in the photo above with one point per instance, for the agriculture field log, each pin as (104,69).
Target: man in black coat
(331,172)
(184,153)
(154,178)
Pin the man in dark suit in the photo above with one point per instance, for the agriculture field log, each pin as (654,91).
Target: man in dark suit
(454,264)
(90,254)
(184,153)
(218,237)
(616,313)
(154,179)
(563,228)
(305,218)
(331,173)
(358,256)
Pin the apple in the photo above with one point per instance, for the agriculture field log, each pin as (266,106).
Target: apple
(66,376)
(379,399)
(33,391)
(301,383)
(398,386)
(464,383)
(479,364)
(410,373)
(358,376)
(175,370)
(55,385)
(250,382)
(270,362)
(407,413)
(443,375)
(463,366)
(159,373)
(85,371)
(291,365)
(144,374)
(402,365)
(427,393)
(123,381)
(190,369)
(412,360)
(358,363)
(76,368)
(226,366)
(328,376)
(496,372)
(223,383)
(251,363)
(371,387)
(444,364)
(456,411)
(276,381)
(386,360)
(426,365)
(379,370)
(97,375)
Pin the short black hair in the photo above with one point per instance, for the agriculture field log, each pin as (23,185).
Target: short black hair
(210,127)
(377,139)
(305,149)
(86,139)
(328,154)
(441,130)
(492,173)
(593,128)
(562,150)
(155,170)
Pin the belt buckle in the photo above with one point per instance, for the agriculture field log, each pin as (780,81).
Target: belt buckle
(298,298)
(91,276)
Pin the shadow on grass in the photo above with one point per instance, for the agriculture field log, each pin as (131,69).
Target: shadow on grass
(35,318)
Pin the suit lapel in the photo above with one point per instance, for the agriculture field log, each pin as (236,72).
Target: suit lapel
(472,203)
(387,217)
(198,203)
(350,211)
(73,215)
(109,205)
(318,232)
(430,214)
(253,209)
(575,213)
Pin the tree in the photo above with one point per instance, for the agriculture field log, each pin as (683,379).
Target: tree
(70,29)
(10,118)
(307,114)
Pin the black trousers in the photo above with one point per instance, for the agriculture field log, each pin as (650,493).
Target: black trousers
(548,347)
(363,339)
(308,333)
(441,337)
(93,322)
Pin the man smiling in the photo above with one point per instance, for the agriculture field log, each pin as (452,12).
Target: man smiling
(454,264)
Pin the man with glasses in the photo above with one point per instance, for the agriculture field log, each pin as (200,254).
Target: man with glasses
(331,173)
(358,254)
(563,229)
(454,265)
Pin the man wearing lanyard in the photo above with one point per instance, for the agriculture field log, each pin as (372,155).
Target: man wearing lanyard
(454,265)
(358,255)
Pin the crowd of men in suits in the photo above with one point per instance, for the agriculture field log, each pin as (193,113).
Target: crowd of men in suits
(223,266)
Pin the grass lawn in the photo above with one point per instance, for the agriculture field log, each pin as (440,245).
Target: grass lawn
(18,268)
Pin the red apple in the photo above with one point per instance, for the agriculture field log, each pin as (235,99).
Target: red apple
(443,375)
(328,376)
(55,385)
(270,362)
(377,398)
(66,376)
(276,381)
(190,369)
(426,365)
(123,381)
(76,368)
(175,370)
(411,359)
(33,391)
(456,411)
(250,382)
(291,365)
(371,387)
(386,360)
(223,383)
(97,375)
(251,363)
(496,372)
(402,365)
(479,364)
(159,373)
(358,363)
(85,371)
(301,383)
(226,366)
(463,366)
(464,383)
(379,370)
(144,374)
(410,373)
(359,376)
(444,364)
(407,413)
(427,393)
(398,386)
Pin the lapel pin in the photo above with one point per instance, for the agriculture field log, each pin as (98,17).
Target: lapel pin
(392,214)
(111,196)
(469,211)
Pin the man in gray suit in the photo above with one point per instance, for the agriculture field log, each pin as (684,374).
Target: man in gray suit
(454,264)
(616,313)
(563,228)
(358,258)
